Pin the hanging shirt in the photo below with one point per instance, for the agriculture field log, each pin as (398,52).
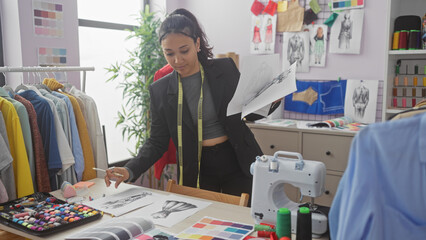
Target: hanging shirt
(3,193)
(47,129)
(63,114)
(42,175)
(21,167)
(76,144)
(67,159)
(89,161)
(26,131)
(383,190)
(94,128)
(6,160)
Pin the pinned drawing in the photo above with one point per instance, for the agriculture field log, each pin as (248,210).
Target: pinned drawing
(171,209)
(296,50)
(361,100)
(346,32)
(318,44)
(263,34)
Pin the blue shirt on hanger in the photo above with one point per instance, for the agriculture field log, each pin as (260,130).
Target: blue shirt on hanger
(382,194)
(48,133)
(76,144)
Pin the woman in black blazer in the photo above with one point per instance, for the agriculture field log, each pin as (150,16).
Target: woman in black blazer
(227,145)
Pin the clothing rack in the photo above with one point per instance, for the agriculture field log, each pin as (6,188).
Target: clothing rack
(51,69)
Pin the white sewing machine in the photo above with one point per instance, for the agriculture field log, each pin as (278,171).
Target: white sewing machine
(270,173)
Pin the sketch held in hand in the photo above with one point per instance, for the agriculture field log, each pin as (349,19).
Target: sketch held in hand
(124,201)
(171,206)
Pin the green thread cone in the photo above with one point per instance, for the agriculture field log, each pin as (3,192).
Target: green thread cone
(283,227)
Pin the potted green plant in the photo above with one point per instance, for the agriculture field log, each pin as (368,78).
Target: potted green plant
(135,75)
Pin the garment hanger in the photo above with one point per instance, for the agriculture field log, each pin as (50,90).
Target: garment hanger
(7,87)
(67,85)
(21,86)
(43,86)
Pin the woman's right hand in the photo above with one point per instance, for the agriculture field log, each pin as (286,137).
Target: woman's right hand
(117,174)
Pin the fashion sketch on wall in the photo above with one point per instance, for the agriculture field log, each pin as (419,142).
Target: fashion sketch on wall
(318,44)
(361,100)
(295,49)
(346,32)
(262,35)
(171,209)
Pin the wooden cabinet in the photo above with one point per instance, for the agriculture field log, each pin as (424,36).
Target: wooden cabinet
(330,147)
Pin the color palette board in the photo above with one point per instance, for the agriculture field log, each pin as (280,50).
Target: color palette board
(48,19)
(41,214)
(209,228)
(52,56)
(346,4)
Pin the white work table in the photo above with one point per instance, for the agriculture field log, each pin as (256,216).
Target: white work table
(216,210)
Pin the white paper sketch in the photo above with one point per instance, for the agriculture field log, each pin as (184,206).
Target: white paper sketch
(361,100)
(262,36)
(295,49)
(123,202)
(171,209)
(318,44)
(346,32)
(279,87)
(256,71)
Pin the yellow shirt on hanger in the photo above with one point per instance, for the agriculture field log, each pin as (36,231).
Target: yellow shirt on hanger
(21,167)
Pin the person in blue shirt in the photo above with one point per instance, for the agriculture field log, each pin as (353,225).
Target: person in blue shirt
(382,194)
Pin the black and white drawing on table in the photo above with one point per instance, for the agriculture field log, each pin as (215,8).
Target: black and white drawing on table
(346,32)
(361,100)
(123,202)
(172,206)
(295,49)
(170,209)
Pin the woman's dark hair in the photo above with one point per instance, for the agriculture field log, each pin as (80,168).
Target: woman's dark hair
(184,22)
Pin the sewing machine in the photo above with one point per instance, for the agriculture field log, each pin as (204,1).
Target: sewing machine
(270,173)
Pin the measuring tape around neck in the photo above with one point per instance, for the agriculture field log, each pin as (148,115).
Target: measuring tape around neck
(199,128)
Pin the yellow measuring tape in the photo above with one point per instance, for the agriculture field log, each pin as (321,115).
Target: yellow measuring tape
(200,128)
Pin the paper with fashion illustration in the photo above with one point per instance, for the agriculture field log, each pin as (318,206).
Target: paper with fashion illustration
(346,32)
(295,49)
(318,44)
(124,202)
(361,100)
(260,84)
(262,35)
(171,209)
(116,228)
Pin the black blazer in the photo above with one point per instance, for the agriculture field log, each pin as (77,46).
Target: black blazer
(223,77)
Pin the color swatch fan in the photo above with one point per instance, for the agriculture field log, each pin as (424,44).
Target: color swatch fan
(216,229)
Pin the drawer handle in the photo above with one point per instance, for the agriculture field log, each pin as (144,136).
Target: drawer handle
(328,153)
(326,192)
(272,146)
